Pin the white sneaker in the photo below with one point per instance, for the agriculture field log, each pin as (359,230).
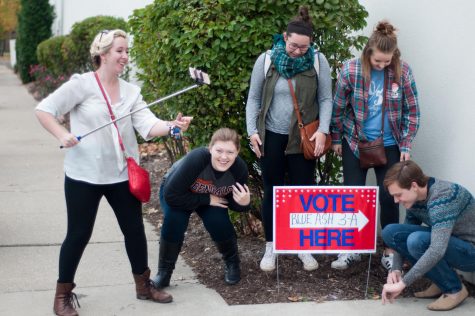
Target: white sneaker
(345,260)
(309,262)
(387,261)
(268,261)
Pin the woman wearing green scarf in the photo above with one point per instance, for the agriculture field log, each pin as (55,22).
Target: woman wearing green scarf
(272,123)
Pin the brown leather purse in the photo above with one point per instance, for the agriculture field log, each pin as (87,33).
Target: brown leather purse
(372,153)
(306,131)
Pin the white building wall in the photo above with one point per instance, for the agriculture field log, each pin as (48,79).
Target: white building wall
(436,38)
(13,53)
(69,12)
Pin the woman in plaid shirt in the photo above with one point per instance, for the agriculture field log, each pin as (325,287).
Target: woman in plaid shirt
(357,115)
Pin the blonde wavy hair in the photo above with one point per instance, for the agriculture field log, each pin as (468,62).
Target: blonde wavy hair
(102,43)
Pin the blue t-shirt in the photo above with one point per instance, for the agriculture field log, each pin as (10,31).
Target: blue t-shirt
(372,124)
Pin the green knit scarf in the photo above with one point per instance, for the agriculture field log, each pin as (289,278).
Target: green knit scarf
(287,66)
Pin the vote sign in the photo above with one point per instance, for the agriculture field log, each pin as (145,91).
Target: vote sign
(325,219)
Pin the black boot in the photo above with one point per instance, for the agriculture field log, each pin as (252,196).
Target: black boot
(232,270)
(168,254)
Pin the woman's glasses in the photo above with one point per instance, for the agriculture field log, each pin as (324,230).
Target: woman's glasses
(294,46)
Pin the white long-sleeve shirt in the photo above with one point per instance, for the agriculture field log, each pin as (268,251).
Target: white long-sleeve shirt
(98,158)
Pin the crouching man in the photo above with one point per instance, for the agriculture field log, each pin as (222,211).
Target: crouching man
(435,250)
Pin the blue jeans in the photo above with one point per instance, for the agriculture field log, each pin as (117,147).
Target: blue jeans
(412,241)
(175,222)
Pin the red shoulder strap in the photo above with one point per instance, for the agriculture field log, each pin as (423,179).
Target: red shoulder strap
(110,110)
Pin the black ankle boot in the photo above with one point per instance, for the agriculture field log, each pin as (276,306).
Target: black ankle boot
(168,254)
(232,270)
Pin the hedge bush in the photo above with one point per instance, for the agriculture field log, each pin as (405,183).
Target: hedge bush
(50,54)
(34,25)
(224,38)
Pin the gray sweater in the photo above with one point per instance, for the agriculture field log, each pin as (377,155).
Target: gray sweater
(449,210)
(280,111)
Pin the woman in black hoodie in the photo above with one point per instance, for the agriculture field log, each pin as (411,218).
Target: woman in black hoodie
(208,180)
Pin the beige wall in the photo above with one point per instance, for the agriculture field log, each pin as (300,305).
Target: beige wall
(436,39)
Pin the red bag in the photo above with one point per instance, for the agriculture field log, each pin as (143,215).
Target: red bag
(139,181)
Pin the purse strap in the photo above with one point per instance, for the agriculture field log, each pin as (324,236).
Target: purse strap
(110,112)
(382,105)
(296,105)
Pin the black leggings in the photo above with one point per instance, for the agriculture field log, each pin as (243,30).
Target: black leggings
(274,165)
(354,175)
(82,201)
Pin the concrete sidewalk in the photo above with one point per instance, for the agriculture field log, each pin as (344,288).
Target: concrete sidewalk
(33,225)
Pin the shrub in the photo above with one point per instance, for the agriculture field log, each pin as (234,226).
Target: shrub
(224,38)
(34,25)
(50,55)
(45,80)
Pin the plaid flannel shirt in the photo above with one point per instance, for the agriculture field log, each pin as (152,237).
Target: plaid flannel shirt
(350,106)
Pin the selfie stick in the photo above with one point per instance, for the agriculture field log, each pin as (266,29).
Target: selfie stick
(197,75)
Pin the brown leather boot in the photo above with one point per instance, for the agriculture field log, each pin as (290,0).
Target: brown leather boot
(64,300)
(147,292)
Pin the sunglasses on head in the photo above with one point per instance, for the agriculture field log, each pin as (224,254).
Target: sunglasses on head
(104,32)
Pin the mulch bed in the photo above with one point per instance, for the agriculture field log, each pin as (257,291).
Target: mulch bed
(292,284)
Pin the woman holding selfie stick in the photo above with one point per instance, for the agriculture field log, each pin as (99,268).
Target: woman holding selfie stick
(95,167)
